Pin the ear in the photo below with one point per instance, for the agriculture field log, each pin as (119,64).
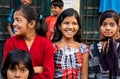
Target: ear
(32,23)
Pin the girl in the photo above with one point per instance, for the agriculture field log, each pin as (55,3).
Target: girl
(71,55)
(105,54)
(18,64)
(29,32)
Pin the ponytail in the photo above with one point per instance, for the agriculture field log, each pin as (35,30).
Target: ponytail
(41,27)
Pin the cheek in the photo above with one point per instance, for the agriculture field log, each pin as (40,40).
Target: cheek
(9,75)
(25,75)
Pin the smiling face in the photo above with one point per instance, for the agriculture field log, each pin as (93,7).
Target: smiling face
(69,27)
(109,27)
(21,25)
(19,72)
(55,10)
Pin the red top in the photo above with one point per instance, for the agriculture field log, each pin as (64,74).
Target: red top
(41,52)
(51,20)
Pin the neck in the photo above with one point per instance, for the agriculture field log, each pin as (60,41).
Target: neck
(68,42)
(30,37)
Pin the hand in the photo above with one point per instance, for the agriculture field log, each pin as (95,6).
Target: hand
(38,69)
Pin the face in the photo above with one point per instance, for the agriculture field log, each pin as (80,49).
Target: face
(26,2)
(55,10)
(109,27)
(19,72)
(69,27)
(20,24)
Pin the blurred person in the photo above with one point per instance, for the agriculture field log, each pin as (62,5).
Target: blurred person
(56,9)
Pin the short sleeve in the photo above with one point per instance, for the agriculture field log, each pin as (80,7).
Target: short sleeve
(83,48)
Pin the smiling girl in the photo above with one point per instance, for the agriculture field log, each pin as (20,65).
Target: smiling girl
(71,55)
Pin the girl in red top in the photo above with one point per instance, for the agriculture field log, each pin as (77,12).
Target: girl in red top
(29,32)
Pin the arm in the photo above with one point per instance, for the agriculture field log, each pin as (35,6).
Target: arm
(48,62)
(10,21)
(9,28)
(85,66)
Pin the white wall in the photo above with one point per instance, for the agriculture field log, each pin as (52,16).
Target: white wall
(72,4)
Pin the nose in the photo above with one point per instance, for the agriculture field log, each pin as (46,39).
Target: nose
(107,27)
(17,74)
(14,23)
(70,26)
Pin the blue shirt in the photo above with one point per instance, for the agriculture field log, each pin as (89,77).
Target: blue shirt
(10,18)
(110,5)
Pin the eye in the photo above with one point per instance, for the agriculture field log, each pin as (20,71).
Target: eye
(23,70)
(112,24)
(19,20)
(104,24)
(75,23)
(65,22)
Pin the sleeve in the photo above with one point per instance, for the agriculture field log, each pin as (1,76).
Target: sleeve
(48,62)
(84,48)
(94,67)
(10,17)
(8,46)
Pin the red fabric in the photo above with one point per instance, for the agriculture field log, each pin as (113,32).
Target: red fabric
(41,52)
(51,20)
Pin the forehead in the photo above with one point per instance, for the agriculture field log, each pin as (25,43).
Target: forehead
(18,13)
(107,20)
(72,18)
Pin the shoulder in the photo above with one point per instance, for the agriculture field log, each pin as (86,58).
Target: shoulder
(11,39)
(84,48)
(50,17)
(43,40)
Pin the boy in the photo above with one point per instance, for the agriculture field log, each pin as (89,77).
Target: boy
(56,9)
(10,18)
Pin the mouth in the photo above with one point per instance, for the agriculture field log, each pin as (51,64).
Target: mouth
(16,29)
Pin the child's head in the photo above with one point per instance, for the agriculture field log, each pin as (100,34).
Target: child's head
(69,20)
(109,21)
(56,7)
(26,1)
(27,18)
(18,64)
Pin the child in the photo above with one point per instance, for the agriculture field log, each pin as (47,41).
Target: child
(71,55)
(56,9)
(18,64)
(105,54)
(10,18)
(29,32)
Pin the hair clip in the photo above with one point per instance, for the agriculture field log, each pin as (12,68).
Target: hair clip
(40,17)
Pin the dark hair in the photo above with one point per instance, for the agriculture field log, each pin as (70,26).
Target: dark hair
(66,13)
(58,3)
(14,58)
(109,14)
(32,13)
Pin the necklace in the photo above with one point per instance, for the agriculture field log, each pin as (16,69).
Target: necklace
(68,45)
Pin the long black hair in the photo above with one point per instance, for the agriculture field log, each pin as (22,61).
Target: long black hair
(66,13)
(14,58)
